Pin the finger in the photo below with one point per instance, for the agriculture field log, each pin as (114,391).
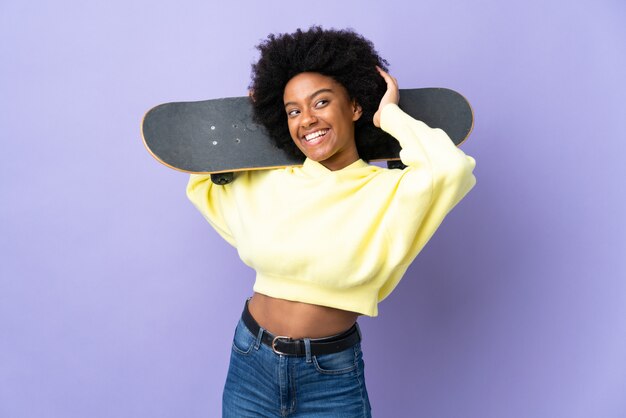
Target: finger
(384,74)
(392,82)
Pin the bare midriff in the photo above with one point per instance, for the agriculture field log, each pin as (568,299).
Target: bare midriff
(297,319)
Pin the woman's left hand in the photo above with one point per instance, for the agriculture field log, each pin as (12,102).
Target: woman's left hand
(392,95)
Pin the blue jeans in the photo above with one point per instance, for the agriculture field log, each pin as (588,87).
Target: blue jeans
(261,383)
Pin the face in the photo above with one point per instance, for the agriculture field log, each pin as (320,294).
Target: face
(321,119)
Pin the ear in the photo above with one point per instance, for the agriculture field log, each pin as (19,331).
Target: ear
(357,111)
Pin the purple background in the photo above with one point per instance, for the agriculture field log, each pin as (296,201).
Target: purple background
(118,300)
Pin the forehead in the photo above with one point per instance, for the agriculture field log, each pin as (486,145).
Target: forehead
(304,85)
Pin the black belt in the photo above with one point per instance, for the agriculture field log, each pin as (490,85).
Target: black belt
(289,347)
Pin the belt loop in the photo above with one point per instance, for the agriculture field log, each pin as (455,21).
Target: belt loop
(307,349)
(259,337)
(358,329)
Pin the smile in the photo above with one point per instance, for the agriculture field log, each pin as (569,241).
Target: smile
(315,135)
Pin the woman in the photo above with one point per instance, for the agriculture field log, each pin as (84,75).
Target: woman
(332,238)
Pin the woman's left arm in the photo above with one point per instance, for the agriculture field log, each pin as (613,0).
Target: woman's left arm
(438,175)
(426,151)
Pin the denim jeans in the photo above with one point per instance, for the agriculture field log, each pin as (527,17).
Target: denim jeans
(261,383)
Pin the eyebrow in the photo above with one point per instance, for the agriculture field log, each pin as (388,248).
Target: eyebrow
(320,91)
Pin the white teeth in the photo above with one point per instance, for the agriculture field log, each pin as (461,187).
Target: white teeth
(314,135)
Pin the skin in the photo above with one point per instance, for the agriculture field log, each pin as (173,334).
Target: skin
(316,103)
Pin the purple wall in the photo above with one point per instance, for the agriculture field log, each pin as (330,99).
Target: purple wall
(118,300)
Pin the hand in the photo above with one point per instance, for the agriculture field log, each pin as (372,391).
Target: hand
(392,95)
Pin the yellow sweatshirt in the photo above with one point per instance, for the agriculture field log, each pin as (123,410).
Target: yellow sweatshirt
(339,238)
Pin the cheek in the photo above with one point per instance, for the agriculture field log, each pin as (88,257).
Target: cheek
(293,129)
(293,133)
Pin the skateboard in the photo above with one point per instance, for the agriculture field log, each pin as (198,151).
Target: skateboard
(219,137)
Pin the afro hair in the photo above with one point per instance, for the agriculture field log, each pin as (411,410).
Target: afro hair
(343,55)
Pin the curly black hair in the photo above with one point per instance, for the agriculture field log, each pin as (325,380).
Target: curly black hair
(343,55)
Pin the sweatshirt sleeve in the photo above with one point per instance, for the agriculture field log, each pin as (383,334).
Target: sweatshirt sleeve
(437,177)
(427,148)
(213,201)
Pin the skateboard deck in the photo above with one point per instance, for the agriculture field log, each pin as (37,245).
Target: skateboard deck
(219,136)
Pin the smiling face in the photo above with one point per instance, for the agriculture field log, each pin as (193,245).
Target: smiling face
(321,119)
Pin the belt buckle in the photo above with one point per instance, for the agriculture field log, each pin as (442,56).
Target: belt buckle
(279,337)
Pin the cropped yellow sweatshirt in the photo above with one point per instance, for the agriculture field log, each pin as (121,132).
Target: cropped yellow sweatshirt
(339,238)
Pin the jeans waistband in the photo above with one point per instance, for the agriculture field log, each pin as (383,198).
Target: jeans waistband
(297,347)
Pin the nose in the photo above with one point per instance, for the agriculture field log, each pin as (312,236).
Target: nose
(307,119)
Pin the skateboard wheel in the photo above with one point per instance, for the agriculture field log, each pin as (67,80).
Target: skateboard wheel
(395,164)
(222,178)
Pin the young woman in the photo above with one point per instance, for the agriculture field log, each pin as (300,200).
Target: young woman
(332,238)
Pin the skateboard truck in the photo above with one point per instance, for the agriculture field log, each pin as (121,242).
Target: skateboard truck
(225,178)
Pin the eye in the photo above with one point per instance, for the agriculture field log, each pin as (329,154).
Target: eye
(321,103)
(293,112)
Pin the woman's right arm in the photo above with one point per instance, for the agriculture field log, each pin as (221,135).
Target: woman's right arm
(213,201)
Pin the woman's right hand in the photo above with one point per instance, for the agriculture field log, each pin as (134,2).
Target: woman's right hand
(392,95)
